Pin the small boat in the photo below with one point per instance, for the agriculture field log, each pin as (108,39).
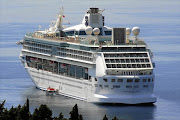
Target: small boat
(50,91)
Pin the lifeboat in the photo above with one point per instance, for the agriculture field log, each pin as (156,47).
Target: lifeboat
(50,91)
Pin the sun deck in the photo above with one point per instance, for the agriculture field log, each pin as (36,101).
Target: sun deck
(90,41)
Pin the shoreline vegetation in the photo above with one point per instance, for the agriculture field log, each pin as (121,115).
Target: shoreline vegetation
(41,113)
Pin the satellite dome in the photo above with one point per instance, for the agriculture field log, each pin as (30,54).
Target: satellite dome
(136,31)
(88,30)
(96,31)
(128,31)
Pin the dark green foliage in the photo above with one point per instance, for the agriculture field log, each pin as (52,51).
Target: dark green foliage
(105,117)
(2,107)
(24,113)
(18,113)
(115,118)
(80,117)
(43,113)
(60,116)
(74,115)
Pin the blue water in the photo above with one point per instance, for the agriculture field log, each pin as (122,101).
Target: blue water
(160,27)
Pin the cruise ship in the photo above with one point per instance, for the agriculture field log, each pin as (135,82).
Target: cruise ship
(90,61)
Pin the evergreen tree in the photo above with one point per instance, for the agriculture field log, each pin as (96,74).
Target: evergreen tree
(105,117)
(74,115)
(24,113)
(35,115)
(2,108)
(43,113)
(5,114)
(80,117)
(115,118)
(60,117)
(13,113)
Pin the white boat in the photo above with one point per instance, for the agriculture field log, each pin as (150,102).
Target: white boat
(51,91)
(90,61)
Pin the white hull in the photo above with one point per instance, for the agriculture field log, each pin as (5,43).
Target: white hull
(85,90)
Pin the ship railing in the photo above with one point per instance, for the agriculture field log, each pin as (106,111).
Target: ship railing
(85,41)
(136,40)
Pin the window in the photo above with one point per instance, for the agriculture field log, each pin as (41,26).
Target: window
(106,86)
(100,85)
(114,66)
(108,32)
(143,65)
(82,33)
(144,80)
(129,80)
(113,80)
(105,79)
(118,65)
(136,86)
(116,86)
(148,65)
(128,65)
(147,60)
(124,65)
(108,65)
(96,85)
(69,33)
(137,80)
(128,86)
(120,80)
(95,79)
(138,65)
(149,80)
(145,86)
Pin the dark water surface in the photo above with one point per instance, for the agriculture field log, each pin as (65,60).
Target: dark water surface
(160,27)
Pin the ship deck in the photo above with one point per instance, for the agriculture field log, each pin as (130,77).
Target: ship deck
(85,41)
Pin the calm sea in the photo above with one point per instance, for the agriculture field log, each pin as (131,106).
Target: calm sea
(160,27)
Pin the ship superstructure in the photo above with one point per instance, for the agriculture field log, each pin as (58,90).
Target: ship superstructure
(90,61)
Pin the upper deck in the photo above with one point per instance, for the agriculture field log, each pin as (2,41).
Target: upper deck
(87,44)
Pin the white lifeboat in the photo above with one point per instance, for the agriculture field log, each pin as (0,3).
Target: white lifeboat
(50,91)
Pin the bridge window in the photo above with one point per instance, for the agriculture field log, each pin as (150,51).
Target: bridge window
(82,33)
(69,33)
(108,32)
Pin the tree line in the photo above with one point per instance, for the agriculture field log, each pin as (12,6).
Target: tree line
(41,113)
